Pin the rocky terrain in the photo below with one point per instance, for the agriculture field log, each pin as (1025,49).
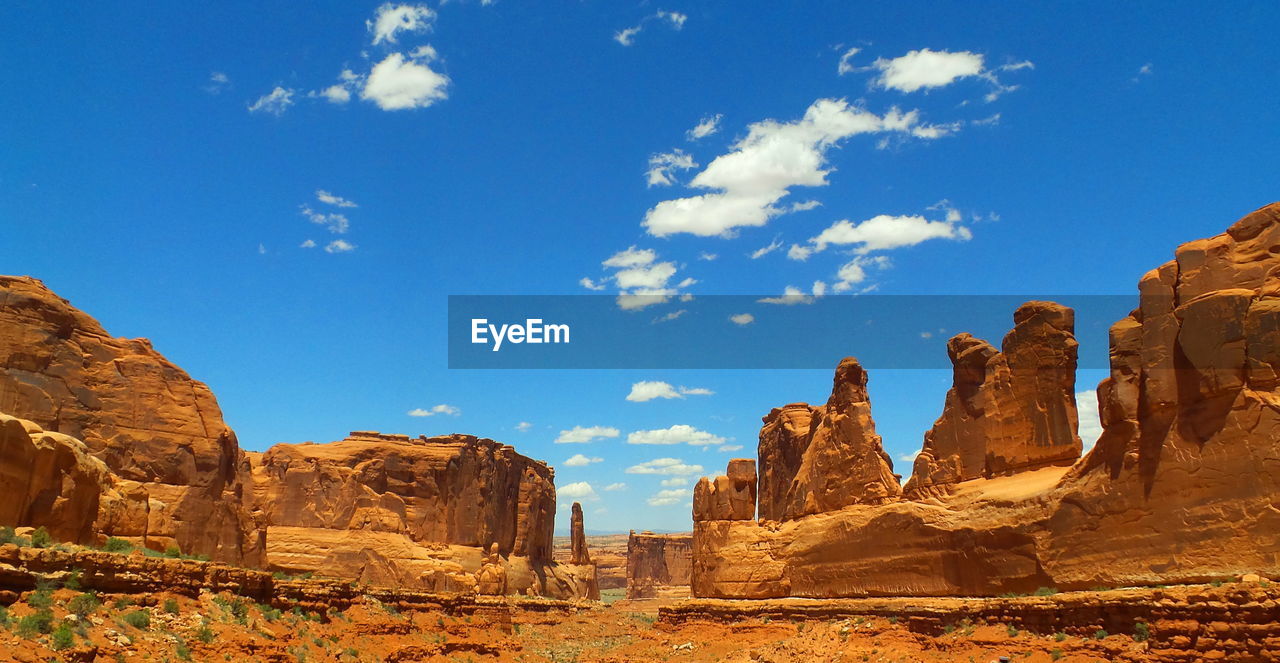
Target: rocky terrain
(117,442)
(658,565)
(1181,487)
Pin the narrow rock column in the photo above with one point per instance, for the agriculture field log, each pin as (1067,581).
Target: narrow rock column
(577,538)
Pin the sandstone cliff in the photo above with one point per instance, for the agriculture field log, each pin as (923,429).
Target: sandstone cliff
(144,417)
(1182,486)
(819,459)
(1007,411)
(658,564)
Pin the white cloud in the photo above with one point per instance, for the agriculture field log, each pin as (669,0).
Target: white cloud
(434,410)
(626,36)
(330,199)
(883,232)
(742,319)
(275,102)
(909,457)
(705,127)
(580,490)
(855,271)
(669,497)
(336,93)
(989,121)
(614,487)
(674,481)
(925,68)
(1090,423)
(766,250)
(819,288)
(641,279)
(339,246)
(1145,70)
(729,447)
(669,316)
(335,223)
(579,460)
(584,434)
(662,167)
(666,467)
(218,82)
(648,390)
(390,19)
(846,62)
(791,296)
(308,244)
(707,256)
(678,434)
(524,427)
(798,252)
(262,249)
(398,83)
(746,183)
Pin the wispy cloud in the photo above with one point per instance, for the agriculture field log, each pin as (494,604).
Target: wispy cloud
(434,410)
(275,102)
(585,434)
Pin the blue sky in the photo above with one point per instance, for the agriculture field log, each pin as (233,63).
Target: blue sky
(163,166)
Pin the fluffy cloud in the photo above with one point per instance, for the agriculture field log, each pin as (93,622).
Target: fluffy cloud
(1090,423)
(399,83)
(670,497)
(434,410)
(391,18)
(674,481)
(678,434)
(579,460)
(339,246)
(925,68)
(335,223)
(705,127)
(584,434)
(308,244)
(614,487)
(662,167)
(746,183)
(648,390)
(742,319)
(580,490)
(524,427)
(884,232)
(275,102)
(855,271)
(642,280)
(665,467)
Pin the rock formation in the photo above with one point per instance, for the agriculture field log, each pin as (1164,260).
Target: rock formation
(1181,487)
(658,564)
(123,443)
(577,538)
(819,459)
(144,417)
(1007,411)
(729,497)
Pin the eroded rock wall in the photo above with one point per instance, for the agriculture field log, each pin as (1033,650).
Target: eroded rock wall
(144,417)
(657,563)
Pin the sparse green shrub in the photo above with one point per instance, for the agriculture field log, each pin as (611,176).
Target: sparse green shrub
(42,597)
(35,623)
(63,637)
(1012,630)
(1059,636)
(1101,634)
(204,634)
(122,603)
(73,580)
(41,538)
(1046,591)
(1055,654)
(171,606)
(4,617)
(269,613)
(173,551)
(117,545)
(183,652)
(83,605)
(139,619)
(1141,631)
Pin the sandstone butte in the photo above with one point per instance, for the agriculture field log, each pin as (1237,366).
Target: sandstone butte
(103,437)
(658,565)
(1181,487)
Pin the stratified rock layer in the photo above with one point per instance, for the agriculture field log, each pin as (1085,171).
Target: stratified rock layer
(137,412)
(1183,486)
(729,497)
(658,564)
(819,459)
(1007,411)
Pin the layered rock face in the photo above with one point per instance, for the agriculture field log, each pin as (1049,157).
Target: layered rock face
(577,538)
(658,564)
(729,497)
(145,418)
(1181,487)
(819,459)
(1007,411)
